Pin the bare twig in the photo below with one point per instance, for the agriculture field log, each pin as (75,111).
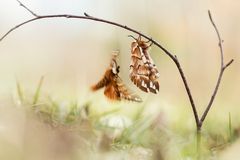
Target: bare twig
(222,68)
(29,10)
(17,26)
(229,63)
(194,109)
(87,15)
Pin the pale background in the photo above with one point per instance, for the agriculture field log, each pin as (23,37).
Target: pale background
(72,54)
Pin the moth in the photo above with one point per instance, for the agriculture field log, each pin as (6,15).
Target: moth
(114,87)
(143,71)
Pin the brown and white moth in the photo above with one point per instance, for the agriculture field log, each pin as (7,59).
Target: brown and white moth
(143,71)
(114,87)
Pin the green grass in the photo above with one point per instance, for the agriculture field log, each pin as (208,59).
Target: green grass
(37,92)
(112,133)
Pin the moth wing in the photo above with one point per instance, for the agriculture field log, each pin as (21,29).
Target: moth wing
(111,91)
(145,79)
(139,72)
(143,71)
(125,93)
(154,86)
(151,65)
(100,84)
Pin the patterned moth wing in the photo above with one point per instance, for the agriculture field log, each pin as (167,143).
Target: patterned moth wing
(143,71)
(114,87)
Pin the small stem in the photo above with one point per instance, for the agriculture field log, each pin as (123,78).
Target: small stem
(222,69)
(199,143)
(228,64)
(87,15)
(29,10)
(188,91)
(230,127)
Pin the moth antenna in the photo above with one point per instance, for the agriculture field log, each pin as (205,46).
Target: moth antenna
(133,37)
(139,37)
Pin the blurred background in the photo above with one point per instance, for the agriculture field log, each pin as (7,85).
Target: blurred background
(72,54)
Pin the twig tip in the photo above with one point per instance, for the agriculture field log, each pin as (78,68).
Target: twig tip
(22,5)
(228,64)
(210,16)
(85,14)
(209,12)
(231,61)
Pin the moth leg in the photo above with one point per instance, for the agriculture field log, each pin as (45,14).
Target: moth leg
(150,44)
(150,40)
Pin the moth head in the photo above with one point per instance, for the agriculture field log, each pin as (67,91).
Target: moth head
(114,66)
(139,42)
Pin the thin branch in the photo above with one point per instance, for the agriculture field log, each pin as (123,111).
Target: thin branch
(194,109)
(219,38)
(222,69)
(29,10)
(87,17)
(16,27)
(228,64)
